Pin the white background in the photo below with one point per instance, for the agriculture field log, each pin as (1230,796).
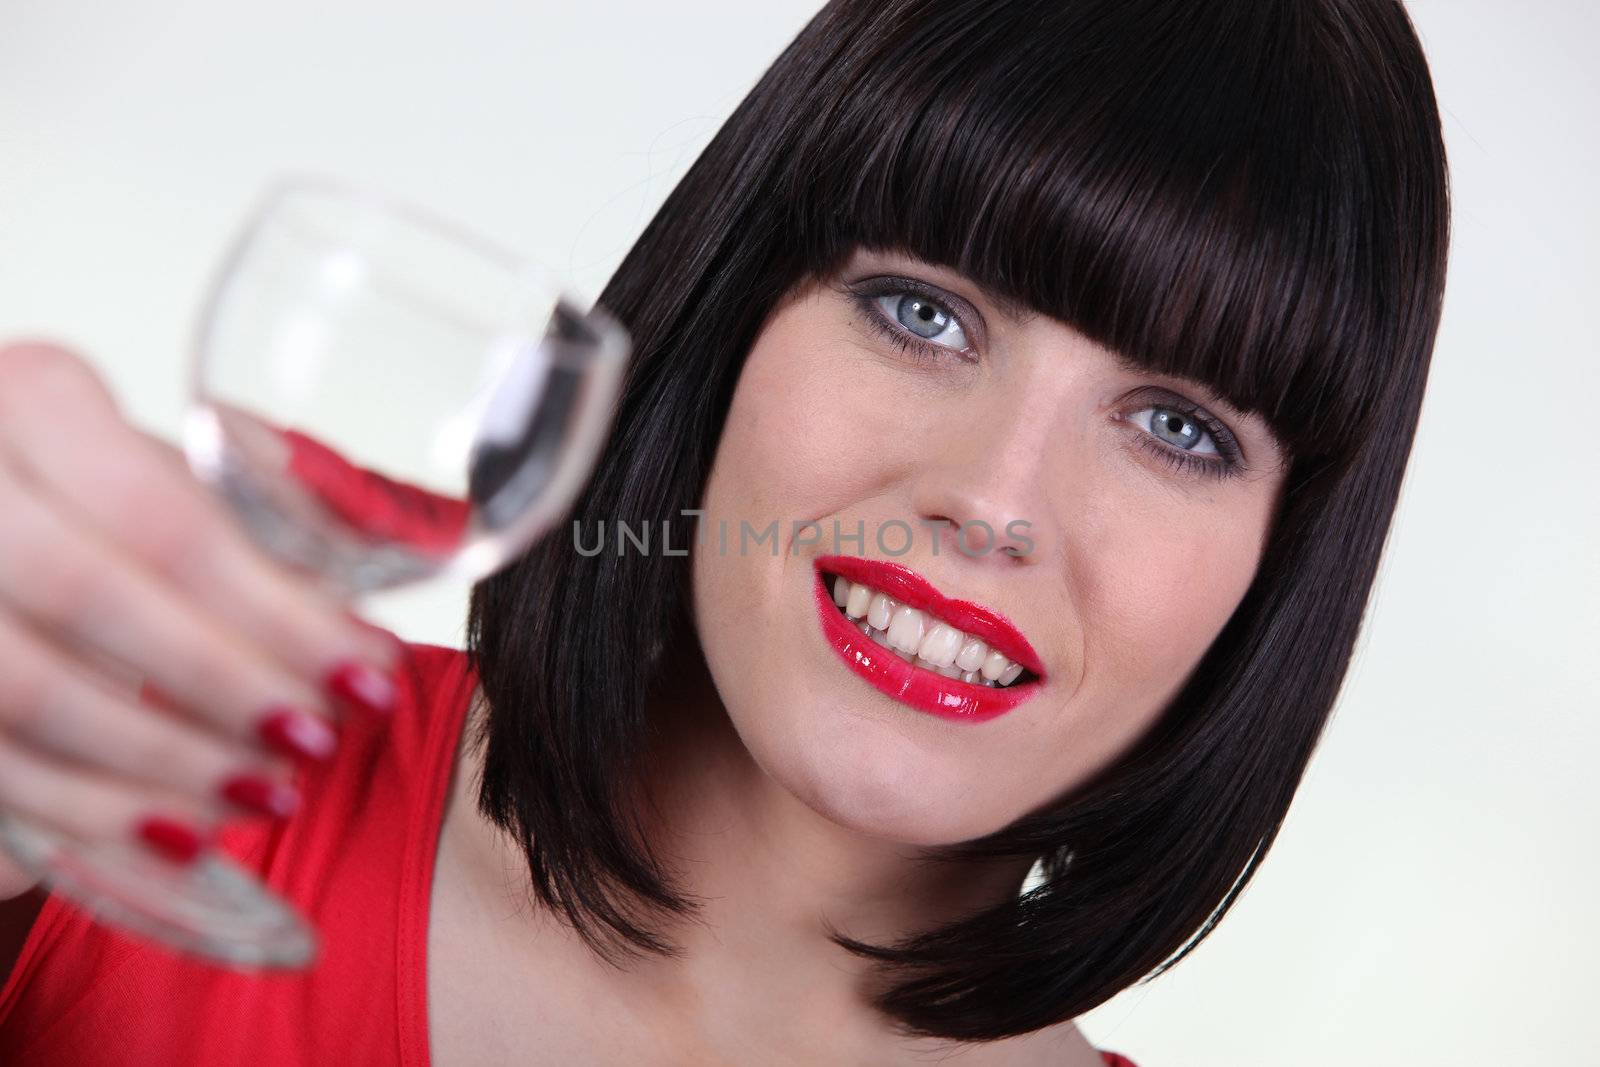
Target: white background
(1430,900)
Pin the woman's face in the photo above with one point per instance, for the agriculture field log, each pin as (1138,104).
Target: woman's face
(1126,554)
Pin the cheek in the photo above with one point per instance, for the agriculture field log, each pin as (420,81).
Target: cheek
(797,444)
(1157,596)
(778,446)
(793,449)
(1148,600)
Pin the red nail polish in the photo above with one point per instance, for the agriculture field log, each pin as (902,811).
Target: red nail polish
(296,733)
(261,795)
(177,841)
(362,687)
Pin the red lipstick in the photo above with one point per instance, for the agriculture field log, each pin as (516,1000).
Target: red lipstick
(913,590)
(949,698)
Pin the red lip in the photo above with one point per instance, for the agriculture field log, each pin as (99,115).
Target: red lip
(949,698)
(910,588)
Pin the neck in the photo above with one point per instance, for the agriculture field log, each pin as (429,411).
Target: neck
(769,867)
(770,875)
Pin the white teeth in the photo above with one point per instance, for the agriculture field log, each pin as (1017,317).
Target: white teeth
(948,672)
(921,639)
(972,655)
(940,645)
(905,630)
(879,613)
(994,665)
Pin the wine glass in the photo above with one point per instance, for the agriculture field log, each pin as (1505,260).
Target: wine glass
(381,398)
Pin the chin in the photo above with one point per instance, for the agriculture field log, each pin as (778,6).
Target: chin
(865,774)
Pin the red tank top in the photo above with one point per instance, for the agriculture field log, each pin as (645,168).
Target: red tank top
(358,862)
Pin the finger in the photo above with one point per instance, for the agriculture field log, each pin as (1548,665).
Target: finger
(61,431)
(49,705)
(89,808)
(62,580)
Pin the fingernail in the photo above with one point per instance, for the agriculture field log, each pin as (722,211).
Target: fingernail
(360,686)
(177,841)
(296,733)
(261,795)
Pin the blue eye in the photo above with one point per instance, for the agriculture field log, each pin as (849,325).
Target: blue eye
(1176,428)
(1187,438)
(927,319)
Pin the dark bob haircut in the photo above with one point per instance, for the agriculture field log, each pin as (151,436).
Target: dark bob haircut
(1250,194)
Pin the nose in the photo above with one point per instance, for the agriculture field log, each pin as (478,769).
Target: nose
(963,523)
(982,496)
(1012,456)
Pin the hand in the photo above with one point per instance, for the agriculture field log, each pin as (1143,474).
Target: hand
(118,567)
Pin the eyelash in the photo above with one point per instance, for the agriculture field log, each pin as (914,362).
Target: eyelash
(866,296)
(1227,466)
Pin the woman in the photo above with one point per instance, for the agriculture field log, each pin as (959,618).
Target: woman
(1110,321)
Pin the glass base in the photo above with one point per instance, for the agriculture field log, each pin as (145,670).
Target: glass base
(211,908)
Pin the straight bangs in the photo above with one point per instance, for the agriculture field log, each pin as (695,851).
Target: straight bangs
(1183,185)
